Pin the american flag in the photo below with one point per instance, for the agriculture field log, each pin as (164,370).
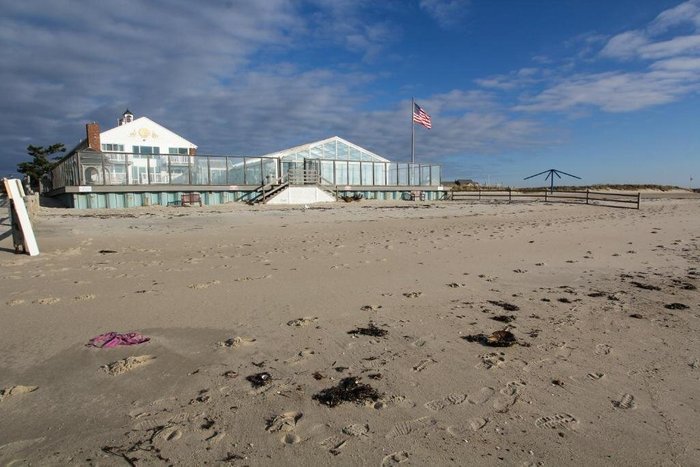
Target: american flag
(421,117)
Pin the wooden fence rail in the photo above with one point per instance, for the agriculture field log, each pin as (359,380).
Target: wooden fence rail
(630,200)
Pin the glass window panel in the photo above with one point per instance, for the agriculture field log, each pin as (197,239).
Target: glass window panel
(354,173)
(392,174)
(269,170)
(367,156)
(115,169)
(200,170)
(316,153)
(367,173)
(235,171)
(217,170)
(253,171)
(327,172)
(380,173)
(402,170)
(343,151)
(425,175)
(435,176)
(138,174)
(341,173)
(159,169)
(329,150)
(354,155)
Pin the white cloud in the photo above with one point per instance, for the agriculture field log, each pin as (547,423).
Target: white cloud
(685,12)
(613,91)
(447,13)
(677,46)
(669,70)
(625,45)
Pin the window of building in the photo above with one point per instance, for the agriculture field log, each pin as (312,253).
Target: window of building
(184,151)
(113,147)
(146,150)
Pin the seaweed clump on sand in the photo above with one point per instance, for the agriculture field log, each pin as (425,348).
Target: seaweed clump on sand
(370,330)
(497,339)
(348,390)
(259,379)
(503,318)
(505,305)
(676,306)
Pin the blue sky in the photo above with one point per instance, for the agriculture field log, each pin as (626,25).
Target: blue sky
(607,90)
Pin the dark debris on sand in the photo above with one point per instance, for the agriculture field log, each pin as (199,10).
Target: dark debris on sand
(504,318)
(370,330)
(348,390)
(505,305)
(676,306)
(497,339)
(259,379)
(644,286)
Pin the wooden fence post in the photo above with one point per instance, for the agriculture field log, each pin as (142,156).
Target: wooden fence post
(510,195)
(479,194)
(639,199)
(545,196)
(587,195)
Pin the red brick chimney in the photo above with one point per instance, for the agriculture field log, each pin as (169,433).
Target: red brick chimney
(193,151)
(93,136)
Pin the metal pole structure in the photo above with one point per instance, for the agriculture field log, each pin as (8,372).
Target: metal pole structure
(413,132)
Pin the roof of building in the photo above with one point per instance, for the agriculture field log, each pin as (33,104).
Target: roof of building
(143,129)
(333,148)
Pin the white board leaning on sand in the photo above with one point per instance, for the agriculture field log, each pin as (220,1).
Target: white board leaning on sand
(15,192)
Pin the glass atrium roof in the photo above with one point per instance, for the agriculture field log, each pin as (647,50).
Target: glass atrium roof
(334,148)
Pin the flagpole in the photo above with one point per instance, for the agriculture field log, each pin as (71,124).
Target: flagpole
(413,132)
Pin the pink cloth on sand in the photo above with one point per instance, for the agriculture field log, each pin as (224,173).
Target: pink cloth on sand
(114,339)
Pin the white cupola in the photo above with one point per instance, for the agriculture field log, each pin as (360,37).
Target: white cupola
(127,117)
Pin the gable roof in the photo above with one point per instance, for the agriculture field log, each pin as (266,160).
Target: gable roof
(316,144)
(144,128)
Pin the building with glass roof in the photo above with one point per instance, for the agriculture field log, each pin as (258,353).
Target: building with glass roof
(121,174)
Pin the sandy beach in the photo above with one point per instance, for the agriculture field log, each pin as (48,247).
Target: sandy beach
(600,363)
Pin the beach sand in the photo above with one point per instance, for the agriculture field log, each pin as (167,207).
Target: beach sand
(602,304)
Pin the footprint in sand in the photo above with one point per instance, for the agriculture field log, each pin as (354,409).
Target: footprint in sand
(480,396)
(625,402)
(503,403)
(171,434)
(395,458)
(291,438)
(406,427)
(15,391)
(47,301)
(15,302)
(412,294)
(82,298)
(233,342)
(300,357)
(299,322)
(602,349)
(334,444)
(491,360)
(441,404)
(423,364)
(126,364)
(462,431)
(204,285)
(283,422)
(356,430)
(560,420)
